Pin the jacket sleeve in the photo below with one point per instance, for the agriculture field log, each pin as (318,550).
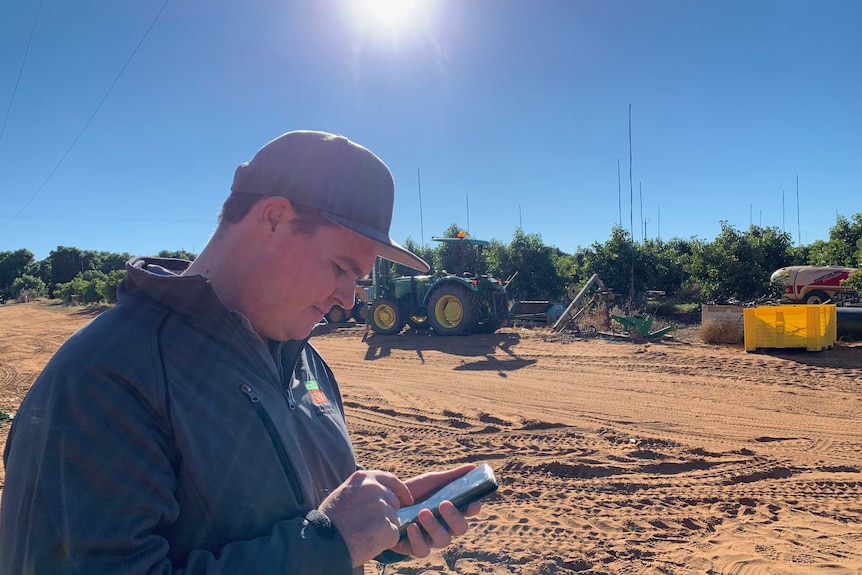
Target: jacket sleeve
(90,479)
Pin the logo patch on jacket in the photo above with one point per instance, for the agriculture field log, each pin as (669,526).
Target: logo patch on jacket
(315,393)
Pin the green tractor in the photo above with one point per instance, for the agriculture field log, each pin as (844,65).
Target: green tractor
(357,313)
(447,303)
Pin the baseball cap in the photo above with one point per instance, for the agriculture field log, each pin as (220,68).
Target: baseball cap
(345,181)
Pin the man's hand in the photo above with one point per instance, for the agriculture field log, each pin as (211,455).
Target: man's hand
(439,534)
(364,509)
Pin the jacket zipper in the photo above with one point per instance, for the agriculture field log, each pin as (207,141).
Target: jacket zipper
(276,441)
(287,390)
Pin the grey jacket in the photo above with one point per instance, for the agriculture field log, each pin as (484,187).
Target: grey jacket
(167,437)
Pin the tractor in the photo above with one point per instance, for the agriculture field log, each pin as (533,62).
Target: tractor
(338,314)
(449,304)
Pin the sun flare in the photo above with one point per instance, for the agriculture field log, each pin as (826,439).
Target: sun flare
(391,14)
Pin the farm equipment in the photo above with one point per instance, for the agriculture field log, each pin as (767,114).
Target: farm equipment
(358,312)
(814,284)
(640,326)
(581,302)
(449,304)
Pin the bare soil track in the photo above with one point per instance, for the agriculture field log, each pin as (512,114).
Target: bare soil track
(614,458)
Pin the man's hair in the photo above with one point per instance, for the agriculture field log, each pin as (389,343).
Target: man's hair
(237,206)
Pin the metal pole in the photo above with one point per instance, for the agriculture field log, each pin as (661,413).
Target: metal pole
(631,217)
(421,224)
(641,196)
(798,227)
(619,193)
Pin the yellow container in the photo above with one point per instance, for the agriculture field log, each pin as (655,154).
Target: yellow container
(813,327)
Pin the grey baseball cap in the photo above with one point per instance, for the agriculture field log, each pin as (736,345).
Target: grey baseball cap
(345,181)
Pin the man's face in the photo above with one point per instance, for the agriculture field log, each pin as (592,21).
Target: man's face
(303,276)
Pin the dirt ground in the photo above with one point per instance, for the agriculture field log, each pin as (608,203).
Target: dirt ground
(613,457)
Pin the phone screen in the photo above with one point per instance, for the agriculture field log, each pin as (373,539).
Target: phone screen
(470,487)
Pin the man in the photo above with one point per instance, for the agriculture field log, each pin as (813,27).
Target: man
(192,428)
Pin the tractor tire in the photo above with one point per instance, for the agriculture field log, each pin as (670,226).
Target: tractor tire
(816,297)
(385,317)
(360,312)
(489,326)
(418,321)
(453,310)
(336,314)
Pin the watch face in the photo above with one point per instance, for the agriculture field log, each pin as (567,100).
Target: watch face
(461,492)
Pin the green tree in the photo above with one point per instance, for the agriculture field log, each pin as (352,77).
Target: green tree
(42,270)
(32,285)
(177,254)
(67,262)
(538,278)
(424,252)
(13,265)
(615,261)
(76,286)
(663,264)
(854,281)
(738,265)
(844,247)
(110,261)
(92,286)
(109,285)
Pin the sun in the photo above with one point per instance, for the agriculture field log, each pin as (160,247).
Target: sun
(392,14)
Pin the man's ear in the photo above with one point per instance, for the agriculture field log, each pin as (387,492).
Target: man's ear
(276,211)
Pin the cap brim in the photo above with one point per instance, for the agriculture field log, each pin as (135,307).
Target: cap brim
(388,249)
(399,255)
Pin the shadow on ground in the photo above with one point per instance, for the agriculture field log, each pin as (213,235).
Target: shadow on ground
(476,345)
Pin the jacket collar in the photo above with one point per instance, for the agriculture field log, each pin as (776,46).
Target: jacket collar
(159,279)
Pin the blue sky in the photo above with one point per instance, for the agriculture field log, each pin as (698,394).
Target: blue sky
(514,112)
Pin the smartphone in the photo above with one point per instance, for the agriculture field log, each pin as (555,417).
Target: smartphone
(468,488)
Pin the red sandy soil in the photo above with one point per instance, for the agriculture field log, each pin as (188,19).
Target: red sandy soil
(614,457)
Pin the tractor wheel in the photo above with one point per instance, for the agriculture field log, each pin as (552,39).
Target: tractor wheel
(452,310)
(360,312)
(417,321)
(336,314)
(816,297)
(385,317)
(489,326)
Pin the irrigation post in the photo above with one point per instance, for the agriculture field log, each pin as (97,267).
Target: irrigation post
(421,224)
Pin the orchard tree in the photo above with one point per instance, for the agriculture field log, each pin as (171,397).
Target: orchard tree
(854,281)
(68,262)
(31,285)
(844,247)
(738,265)
(663,265)
(537,278)
(616,262)
(110,261)
(177,254)
(424,252)
(13,265)
(108,286)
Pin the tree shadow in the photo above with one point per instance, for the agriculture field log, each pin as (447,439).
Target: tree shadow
(93,310)
(476,345)
(501,366)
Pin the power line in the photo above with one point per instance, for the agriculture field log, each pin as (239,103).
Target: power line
(87,124)
(21,70)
